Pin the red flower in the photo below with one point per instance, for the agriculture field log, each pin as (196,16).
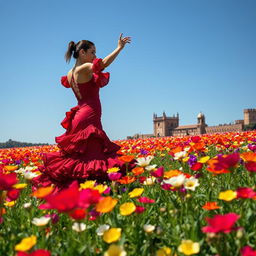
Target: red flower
(221,223)
(196,166)
(78,214)
(248,251)
(65,200)
(7,181)
(145,200)
(251,166)
(245,193)
(13,194)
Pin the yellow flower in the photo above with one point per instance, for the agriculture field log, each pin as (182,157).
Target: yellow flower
(114,169)
(10,204)
(165,251)
(112,235)
(136,192)
(185,159)
(204,159)
(20,185)
(115,250)
(106,204)
(127,209)
(101,188)
(26,244)
(227,195)
(188,247)
(87,184)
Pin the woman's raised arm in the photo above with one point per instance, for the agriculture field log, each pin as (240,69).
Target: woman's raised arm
(122,41)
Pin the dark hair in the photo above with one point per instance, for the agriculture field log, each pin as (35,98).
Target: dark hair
(74,48)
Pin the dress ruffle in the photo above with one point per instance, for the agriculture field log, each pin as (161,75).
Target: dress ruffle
(81,141)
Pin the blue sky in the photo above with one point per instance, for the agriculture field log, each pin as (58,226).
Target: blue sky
(186,56)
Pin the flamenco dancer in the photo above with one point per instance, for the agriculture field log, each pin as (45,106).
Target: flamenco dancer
(85,150)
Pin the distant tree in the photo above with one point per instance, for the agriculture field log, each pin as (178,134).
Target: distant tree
(17,144)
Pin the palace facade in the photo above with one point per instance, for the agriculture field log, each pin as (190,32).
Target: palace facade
(169,126)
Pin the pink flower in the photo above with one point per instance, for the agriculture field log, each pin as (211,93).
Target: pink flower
(158,173)
(221,223)
(248,251)
(227,161)
(39,252)
(145,200)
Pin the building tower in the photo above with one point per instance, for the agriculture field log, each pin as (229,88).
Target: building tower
(249,116)
(164,125)
(201,123)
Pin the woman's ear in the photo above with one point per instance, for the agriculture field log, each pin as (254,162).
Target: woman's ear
(82,52)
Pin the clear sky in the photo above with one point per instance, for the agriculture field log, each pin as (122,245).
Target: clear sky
(186,56)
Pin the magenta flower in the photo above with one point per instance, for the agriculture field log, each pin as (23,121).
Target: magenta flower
(248,251)
(158,173)
(245,193)
(221,223)
(114,176)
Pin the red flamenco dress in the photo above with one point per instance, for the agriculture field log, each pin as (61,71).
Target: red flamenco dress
(85,150)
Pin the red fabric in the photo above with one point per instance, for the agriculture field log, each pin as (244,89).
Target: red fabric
(85,150)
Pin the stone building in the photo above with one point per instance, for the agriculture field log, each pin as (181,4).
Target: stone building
(169,126)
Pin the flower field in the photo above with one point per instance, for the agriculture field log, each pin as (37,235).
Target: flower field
(184,196)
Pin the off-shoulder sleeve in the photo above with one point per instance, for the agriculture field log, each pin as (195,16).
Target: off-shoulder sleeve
(101,79)
(64,81)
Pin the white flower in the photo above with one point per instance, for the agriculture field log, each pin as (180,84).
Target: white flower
(30,175)
(148,228)
(149,181)
(78,227)
(42,221)
(176,181)
(27,205)
(150,167)
(101,229)
(144,161)
(191,183)
(180,155)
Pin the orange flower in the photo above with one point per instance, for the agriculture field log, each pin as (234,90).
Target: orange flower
(42,192)
(11,168)
(172,173)
(126,180)
(127,158)
(106,204)
(248,156)
(211,206)
(138,170)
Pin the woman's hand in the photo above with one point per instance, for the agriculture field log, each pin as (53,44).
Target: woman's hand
(123,41)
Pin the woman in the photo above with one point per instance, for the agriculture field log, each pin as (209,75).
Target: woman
(85,150)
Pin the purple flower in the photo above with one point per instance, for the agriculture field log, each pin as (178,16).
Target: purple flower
(143,152)
(192,160)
